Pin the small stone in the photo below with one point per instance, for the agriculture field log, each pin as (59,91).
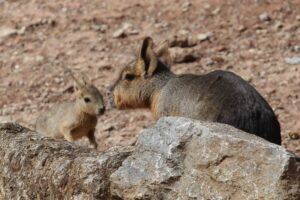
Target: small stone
(278,25)
(218,59)
(184,55)
(64,9)
(222,48)
(126,26)
(183,41)
(209,62)
(298,17)
(27,59)
(186,6)
(22,30)
(161,25)
(207,6)
(183,32)
(108,128)
(100,27)
(58,80)
(204,36)
(39,59)
(6,32)
(293,60)
(130,29)
(120,33)
(216,11)
(264,17)
(241,28)
(133,32)
(296,48)
(126,29)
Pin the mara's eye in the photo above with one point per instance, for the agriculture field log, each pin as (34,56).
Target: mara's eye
(129,77)
(86,99)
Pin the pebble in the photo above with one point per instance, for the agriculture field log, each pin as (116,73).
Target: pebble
(183,41)
(6,32)
(241,28)
(278,25)
(58,80)
(162,25)
(39,59)
(108,128)
(183,32)
(209,62)
(186,6)
(296,48)
(120,33)
(216,11)
(264,17)
(100,27)
(126,29)
(204,36)
(293,60)
(184,55)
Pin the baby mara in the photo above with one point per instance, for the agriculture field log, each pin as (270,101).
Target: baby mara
(73,120)
(219,96)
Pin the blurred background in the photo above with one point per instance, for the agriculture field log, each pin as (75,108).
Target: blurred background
(257,39)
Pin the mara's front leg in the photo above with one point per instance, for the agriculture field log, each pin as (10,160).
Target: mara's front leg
(92,139)
(66,133)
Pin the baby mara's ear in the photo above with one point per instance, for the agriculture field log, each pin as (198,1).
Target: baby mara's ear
(163,53)
(85,80)
(147,61)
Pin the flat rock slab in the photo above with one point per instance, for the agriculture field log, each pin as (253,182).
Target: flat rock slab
(181,158)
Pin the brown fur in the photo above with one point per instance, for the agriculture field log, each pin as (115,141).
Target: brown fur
(73,120)
(219,96)
(154,105)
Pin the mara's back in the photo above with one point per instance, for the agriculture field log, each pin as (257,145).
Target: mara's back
(223,97)
(48,123)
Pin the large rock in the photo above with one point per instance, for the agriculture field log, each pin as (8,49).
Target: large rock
(177,158)
(180,158)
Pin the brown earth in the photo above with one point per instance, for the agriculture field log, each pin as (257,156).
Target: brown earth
(79,34)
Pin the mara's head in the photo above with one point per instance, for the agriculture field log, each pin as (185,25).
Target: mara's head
(139,79)
(88,98)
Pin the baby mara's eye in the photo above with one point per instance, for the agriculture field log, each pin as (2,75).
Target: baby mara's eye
(129,77)
(86,99)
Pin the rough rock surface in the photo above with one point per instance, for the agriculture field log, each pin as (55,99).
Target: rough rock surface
(79,34)
(177,158)
(35,167)
(181,158)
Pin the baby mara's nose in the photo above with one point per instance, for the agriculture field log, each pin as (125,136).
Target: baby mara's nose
(101,111)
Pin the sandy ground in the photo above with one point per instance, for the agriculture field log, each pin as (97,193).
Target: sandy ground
(251,38)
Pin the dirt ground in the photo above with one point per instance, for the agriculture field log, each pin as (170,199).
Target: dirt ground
(249,37)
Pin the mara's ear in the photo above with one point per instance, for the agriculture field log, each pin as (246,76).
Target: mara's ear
(77,84)
(77,89)
(163,53)
(85,80)
(147,58)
